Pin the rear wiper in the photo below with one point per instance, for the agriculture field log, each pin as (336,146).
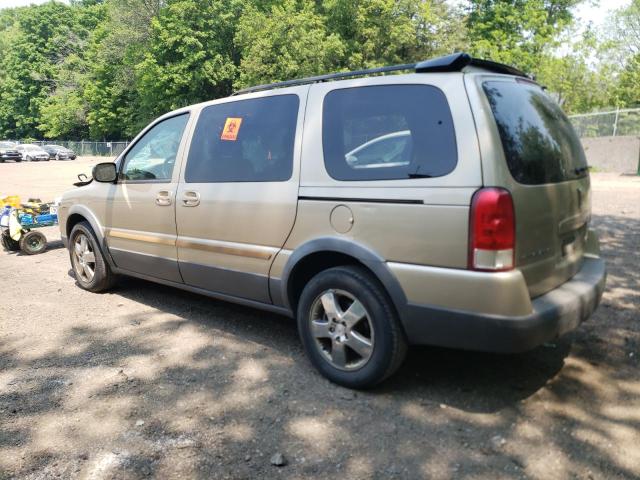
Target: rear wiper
(419,175)
(579,170)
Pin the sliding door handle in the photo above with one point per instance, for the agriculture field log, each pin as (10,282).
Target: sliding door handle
(190,199)
(163,198)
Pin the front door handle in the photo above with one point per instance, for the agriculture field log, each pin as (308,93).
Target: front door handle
(190,199)
(163,198)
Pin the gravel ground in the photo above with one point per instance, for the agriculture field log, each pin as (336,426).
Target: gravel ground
(148,381)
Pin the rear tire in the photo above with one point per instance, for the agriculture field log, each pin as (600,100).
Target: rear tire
(349,328)
(91,269)
(33,243)
(9,243)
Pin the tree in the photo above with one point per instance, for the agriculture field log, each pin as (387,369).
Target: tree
(191,55)
(517,32)
(35,40)
(289,41)
(571,76)
(384,32)
(63,114)
(624,48)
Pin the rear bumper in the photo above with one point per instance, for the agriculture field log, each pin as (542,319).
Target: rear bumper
(555,313)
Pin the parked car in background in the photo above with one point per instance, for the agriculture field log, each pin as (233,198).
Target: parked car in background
(8,151)
(58,152)
(32,153)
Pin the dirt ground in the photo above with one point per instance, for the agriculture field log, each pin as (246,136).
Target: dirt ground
(148,381)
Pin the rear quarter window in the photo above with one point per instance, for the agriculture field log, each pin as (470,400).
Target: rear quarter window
(388,132)
(539,142)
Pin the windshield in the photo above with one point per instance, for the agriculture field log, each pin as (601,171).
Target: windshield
(539,142)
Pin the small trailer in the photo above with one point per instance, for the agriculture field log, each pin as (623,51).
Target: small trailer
(19,226)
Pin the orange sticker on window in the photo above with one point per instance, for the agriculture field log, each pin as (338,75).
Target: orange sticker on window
(231,129)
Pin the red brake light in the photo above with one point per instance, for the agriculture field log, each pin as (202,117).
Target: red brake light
(492,234)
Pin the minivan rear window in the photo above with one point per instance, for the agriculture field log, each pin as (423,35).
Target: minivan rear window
(388,132)
(539,142)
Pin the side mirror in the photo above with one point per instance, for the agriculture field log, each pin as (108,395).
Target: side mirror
(105,172)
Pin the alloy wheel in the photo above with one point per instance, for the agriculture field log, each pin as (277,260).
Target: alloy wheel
(342,329)
(84,259)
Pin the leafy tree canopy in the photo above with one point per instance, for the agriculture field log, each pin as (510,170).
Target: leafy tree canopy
(102,69)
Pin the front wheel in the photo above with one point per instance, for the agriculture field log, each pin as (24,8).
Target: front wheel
(349,327)
(91,270)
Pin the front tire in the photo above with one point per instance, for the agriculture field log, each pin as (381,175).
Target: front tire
(91,269)
(349,327)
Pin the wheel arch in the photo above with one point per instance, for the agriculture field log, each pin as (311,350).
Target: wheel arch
(80,213)
(320,254)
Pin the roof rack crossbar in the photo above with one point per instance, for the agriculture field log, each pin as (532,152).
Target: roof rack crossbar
(449,63)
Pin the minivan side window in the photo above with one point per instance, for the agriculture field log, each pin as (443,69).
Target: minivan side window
(153,157)
(244,141)
(388,132)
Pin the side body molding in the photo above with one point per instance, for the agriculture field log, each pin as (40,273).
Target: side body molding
(369,258)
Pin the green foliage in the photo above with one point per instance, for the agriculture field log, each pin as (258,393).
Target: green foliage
(102,69)
(191,55)
(517,32)
(289,41)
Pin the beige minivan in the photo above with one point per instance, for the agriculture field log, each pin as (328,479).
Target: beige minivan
(448,205)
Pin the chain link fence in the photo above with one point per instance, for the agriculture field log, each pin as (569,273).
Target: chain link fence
(85,148)
(611,123)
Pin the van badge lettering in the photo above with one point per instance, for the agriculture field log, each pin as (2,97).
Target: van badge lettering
(231,129)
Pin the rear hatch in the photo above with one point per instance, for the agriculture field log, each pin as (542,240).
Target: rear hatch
(550,181)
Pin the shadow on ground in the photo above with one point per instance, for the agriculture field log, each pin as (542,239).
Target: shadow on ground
(206,389)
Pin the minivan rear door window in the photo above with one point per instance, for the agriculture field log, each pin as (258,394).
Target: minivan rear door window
(539,142)
(244,141)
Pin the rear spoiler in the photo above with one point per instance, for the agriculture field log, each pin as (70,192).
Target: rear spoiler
(457,61)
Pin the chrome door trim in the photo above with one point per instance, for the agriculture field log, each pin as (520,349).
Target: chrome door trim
(228,248)
(160,239)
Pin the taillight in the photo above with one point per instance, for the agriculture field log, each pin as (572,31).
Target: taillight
(492,230)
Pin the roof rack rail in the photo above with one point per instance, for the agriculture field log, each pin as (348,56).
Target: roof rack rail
(449,63)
